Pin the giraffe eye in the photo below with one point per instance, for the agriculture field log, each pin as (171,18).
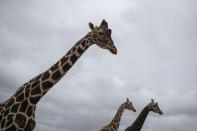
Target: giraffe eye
(110,31)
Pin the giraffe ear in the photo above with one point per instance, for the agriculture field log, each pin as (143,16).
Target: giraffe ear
(91,26)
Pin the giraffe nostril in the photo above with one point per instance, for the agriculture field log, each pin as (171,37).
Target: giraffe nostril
(161,113)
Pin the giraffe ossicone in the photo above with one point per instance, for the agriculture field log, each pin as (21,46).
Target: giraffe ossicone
(18,112)
(114,125)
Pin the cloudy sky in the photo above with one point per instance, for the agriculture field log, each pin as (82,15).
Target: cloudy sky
(156,42)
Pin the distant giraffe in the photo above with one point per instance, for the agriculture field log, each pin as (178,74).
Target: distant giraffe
(137,125)
(18,112)
(114,125)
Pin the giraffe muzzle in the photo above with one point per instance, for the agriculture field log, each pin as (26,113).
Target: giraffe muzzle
(134,110)
(161,113)
(113,50)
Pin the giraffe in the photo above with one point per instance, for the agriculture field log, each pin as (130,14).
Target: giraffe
(114,125)
(18,112)
(138,123)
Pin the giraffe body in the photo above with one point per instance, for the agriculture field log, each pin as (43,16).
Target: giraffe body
(138,123)
(114,125)
(18,112)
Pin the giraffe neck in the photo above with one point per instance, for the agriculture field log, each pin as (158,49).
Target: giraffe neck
(37,87)
(116,120)
(138,123)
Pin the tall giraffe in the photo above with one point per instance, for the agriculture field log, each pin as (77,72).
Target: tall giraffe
(114,125)
(138,123)
(18,112)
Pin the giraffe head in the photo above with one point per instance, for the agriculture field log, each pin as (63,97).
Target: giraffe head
(101,36)
(129,106)
(154,107)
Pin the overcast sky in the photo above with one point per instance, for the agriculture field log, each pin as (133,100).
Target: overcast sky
(156,42)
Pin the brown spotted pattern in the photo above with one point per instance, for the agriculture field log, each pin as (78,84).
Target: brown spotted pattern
(18,112)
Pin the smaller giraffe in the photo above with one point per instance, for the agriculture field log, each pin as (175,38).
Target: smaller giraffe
(138,123)
(114,125)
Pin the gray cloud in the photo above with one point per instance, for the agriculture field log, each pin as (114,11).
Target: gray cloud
(156,43)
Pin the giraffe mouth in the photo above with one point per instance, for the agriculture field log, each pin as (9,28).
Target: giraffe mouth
(113,50)
(161,113)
